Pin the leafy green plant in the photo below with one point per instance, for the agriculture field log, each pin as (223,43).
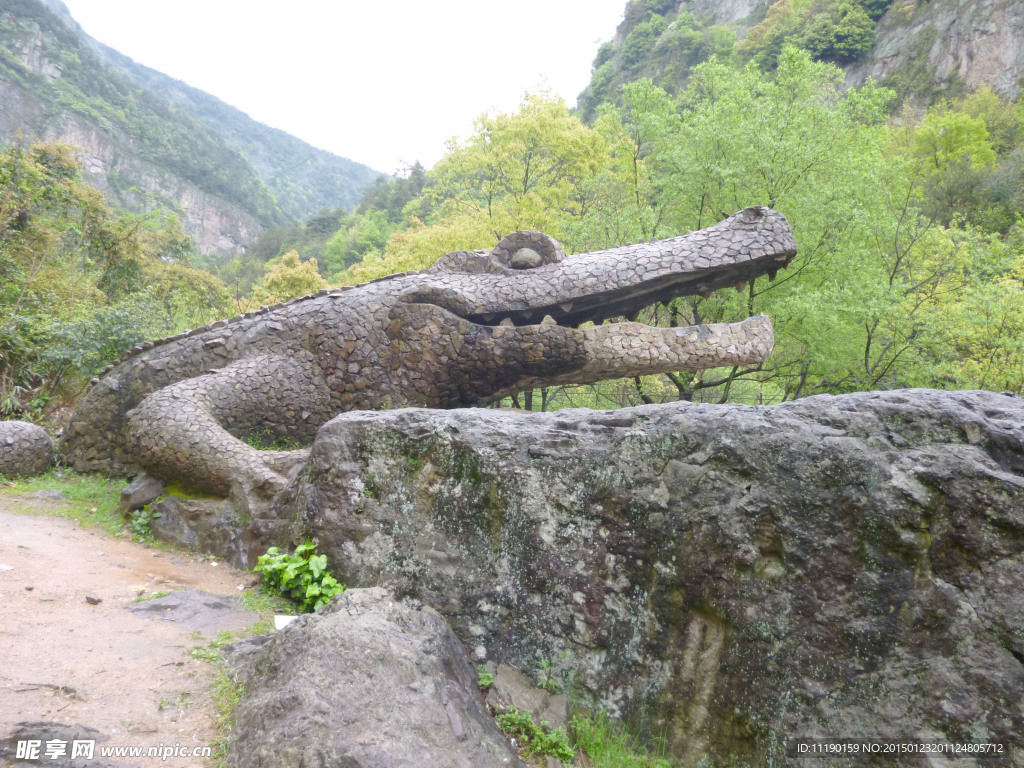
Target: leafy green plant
(484,676)
(548,671)
(301,576)
(533,739)
(139,524)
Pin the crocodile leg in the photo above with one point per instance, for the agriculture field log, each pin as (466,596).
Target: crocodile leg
(191,430)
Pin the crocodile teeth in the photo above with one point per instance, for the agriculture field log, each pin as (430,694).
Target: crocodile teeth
(567,307)
(488,317)
(548,320)
(507,322)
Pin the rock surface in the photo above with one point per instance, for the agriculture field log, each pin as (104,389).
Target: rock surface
(196,610)
(142,490)
(368,682)
(968,43)
(733,577)
(203,525)
(26,449)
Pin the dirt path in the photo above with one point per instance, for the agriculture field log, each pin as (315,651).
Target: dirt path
(64,659)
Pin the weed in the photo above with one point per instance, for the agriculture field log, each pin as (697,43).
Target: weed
(182,701)
(301,576)
(484,677)
(608,745)
(203,653)
(533,739)
(139,524)
(262,440)
(227,692)
(152,596)
(264,603)
(547,672)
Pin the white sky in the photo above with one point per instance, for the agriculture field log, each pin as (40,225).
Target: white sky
(384,83)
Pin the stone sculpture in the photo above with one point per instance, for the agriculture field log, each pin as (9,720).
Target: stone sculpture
(25,449)
(475,327)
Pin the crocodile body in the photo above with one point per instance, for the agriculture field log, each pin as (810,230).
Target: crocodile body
(475,327)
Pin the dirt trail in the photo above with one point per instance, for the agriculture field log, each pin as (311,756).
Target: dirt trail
(66,660)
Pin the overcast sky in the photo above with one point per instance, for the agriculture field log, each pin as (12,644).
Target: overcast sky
(384,83)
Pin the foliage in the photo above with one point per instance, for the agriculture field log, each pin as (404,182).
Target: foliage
(79,282)
(840,31)
(520,171)
(99,335)
(484,676)
(946,136)
(100,89)
(290,278)
(301,576)
(529,170)
(139,524)
(608,745)
(533,739)
(640,40)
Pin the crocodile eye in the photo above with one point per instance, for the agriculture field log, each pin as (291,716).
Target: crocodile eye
(525,258)
(527,250)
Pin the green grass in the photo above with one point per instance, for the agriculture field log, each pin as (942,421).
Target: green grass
(265,604)
(152,596)
(91,500)
(609,745)
(226,691)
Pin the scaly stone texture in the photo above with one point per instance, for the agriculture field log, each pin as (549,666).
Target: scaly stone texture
(26,449)
(474,328)
(729,576)
(367,682)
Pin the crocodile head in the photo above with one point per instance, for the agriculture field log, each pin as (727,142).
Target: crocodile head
(515,323)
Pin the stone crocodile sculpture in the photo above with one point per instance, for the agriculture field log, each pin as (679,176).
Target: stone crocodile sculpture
(475,327)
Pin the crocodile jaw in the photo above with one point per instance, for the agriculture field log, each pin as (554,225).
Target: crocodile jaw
(621,350)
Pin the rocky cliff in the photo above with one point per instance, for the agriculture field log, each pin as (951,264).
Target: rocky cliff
(152,142)
(955,43)
(731,577)
(924,49)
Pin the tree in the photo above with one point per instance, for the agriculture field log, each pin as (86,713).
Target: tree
(71,269)
(520,171)
(290,278)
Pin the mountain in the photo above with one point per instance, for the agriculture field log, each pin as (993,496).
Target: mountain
(150,141)
(923,49)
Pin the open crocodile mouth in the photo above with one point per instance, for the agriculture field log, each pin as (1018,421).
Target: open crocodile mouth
(527,294)
(528,279)
(628,301)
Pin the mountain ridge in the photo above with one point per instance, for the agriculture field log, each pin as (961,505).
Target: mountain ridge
(150,141)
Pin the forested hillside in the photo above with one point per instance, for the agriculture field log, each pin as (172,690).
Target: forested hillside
(907,215)
(152,142)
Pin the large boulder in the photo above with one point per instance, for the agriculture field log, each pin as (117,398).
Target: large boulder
(26,449)
(732,577)
(367,682)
